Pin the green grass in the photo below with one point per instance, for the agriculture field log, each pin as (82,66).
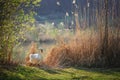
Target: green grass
(32,73)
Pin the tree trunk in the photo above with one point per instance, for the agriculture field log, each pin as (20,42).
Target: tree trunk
(77,23)
(105,37)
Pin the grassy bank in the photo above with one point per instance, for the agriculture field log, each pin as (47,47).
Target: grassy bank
(32,73)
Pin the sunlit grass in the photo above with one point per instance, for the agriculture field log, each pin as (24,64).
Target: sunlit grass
(32,73)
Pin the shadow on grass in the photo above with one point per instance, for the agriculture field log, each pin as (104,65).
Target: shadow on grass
(51,71)
(19,73)
(111,71)
(82,78)
(7,76)
(56,71)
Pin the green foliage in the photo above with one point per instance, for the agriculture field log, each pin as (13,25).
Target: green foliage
(15,18)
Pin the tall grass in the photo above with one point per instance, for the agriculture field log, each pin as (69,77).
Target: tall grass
(85,50)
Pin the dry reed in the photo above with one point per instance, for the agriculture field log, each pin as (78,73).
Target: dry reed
(85,50)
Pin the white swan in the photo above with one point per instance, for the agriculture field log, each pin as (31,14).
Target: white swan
(35,58)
